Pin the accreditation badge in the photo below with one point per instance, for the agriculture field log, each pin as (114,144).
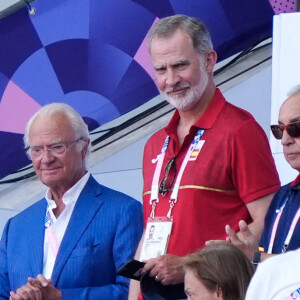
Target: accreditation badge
(156,237)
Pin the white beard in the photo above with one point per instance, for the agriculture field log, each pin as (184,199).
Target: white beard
(191,97)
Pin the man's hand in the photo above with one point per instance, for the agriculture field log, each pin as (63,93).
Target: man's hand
(245,239)
(168,269)
(37,289)
(27,292)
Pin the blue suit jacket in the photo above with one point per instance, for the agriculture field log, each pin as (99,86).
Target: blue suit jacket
(103,233)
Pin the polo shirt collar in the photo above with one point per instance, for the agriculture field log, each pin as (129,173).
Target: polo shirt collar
(296,183)
(206,121)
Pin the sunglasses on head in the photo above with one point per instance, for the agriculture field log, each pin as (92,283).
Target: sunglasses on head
(293,130)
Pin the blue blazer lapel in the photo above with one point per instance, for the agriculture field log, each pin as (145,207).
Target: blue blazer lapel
(36,229)
(85,209)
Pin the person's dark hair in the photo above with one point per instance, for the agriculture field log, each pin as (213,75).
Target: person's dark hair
(197,31)
(222,266)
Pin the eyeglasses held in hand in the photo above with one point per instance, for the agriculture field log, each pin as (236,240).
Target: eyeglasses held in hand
(168,180)
(293,130)
(36,152)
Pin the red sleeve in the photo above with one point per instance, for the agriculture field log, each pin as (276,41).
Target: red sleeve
(147,176)
(254,171)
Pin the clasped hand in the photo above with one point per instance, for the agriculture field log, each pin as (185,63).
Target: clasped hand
(36,289)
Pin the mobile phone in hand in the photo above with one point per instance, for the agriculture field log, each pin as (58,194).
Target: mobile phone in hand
(132,269)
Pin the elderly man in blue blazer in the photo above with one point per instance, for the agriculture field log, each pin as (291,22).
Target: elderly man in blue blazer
(69,244)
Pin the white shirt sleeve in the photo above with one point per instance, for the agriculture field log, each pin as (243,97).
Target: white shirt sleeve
(258,285)
(276,278)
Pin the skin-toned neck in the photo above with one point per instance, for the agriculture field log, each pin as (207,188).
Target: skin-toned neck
(189,117)
(57,195)
(60,206)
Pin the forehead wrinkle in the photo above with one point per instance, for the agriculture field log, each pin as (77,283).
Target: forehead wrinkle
(54,142)
(57,126)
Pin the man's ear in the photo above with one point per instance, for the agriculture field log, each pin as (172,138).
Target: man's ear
(211,60)
(85,148)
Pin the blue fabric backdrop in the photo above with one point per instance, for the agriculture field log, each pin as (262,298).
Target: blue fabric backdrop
(92,55)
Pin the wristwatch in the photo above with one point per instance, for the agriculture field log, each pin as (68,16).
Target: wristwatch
(256,258)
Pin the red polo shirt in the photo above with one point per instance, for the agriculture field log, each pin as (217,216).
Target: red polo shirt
(234,167)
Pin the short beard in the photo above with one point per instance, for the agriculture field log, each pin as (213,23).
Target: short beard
(192,96)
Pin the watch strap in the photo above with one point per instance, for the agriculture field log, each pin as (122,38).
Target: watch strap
(256,258)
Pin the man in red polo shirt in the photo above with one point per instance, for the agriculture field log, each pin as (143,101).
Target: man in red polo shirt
(210,166)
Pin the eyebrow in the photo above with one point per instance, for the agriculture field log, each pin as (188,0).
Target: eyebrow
(56,142)
(174,65)
(293,120)
(181,62)
(296,119)
(159,67)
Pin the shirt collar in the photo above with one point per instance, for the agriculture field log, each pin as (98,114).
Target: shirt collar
(206,121)
(296,182)
(70,195)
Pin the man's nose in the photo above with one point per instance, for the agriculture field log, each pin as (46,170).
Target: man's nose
(47,155)
(286,138)
(172,78)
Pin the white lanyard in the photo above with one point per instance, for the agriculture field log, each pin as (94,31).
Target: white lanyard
(159,161)
(290,232)
(155,182)
(50,233)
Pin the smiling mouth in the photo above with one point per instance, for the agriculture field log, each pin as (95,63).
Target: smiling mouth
(292,154)
(177,89)
(48,170)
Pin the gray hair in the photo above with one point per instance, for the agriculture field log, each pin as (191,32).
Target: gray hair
(295,90)
(77,123)
(197,31)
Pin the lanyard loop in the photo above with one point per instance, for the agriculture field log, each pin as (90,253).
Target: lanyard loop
(152,215)
(172,204)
